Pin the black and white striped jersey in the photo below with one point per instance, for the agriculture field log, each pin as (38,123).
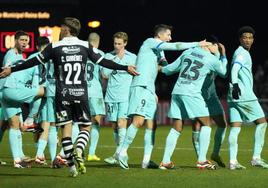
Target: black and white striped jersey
(69,57)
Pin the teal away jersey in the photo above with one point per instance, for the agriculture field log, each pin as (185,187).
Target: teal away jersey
(241,73)
(194,65)
(119,81)
(147,60)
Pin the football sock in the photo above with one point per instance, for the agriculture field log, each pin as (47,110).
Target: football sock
(41,147)
(68,149)
(14,143)
(94,138)
(82,141)
(218,140)
(204,139)
(121,135)
(52,142)
(233,146)
(148,145)
(259,140)
(170,146)
(195,140)
(130,135)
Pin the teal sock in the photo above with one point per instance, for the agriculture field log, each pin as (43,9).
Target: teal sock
(116,137)
(52,142)
(259,140)
(204,139)
(148,145)
(94,138)
(195,140)
(233,146)
(19,135)
(34,108)
(130,135)
(170,146)
(41,147)
(1,134)
(218,140)
(14,143)
(75,132)
(121,136)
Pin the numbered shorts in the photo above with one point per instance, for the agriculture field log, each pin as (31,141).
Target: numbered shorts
(48,111)
(187,107)
(142,102)
(72,112)
(214,106)
(116,110)
(96,106)
(14,97)
(245,111)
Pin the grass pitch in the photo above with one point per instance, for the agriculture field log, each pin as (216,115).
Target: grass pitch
(99,174)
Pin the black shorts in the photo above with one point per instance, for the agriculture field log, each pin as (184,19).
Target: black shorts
(72,111)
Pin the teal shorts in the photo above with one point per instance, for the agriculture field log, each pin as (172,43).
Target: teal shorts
(96,106)
(214,106)
(10,110)
(116,110)
(14,97)
(20,94)
(245,111)
(142,102)
(48,111)
(187,107)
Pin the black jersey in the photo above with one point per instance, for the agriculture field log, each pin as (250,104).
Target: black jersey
(69,57)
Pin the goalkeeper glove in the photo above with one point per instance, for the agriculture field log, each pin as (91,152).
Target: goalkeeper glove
(236,91)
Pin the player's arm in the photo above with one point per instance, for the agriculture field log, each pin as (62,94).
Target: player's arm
(179,45)
(98,59)
(172,68)
(236,92)
(41,58)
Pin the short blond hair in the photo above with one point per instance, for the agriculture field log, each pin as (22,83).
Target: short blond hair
(121,35)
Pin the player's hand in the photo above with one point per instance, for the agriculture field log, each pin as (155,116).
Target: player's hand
(222,49)
(5,72)
(160,68)
(204,43)
(132,70)
(236,91)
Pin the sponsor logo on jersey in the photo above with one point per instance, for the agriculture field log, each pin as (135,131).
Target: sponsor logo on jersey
(71,49)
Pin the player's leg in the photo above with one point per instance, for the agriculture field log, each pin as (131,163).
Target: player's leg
(97,110)
(149,140)
(177,112)
(236,122)
(81,115)
(219,136)
(171,142)
(259,138)
(195,136)
(121,123)
(204,141)
(64,118)
(112,113)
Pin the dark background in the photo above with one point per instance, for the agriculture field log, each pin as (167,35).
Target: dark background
(192,21)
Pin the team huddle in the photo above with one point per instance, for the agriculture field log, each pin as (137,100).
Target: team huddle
(61,83)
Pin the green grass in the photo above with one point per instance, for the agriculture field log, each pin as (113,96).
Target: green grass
(101,175)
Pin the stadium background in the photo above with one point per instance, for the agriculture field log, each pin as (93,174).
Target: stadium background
(192,21)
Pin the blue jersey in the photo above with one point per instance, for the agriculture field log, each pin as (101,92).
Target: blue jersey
(148,59)
(194,65)
(21,77)
(119,81)
(241,73)
(94,79)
